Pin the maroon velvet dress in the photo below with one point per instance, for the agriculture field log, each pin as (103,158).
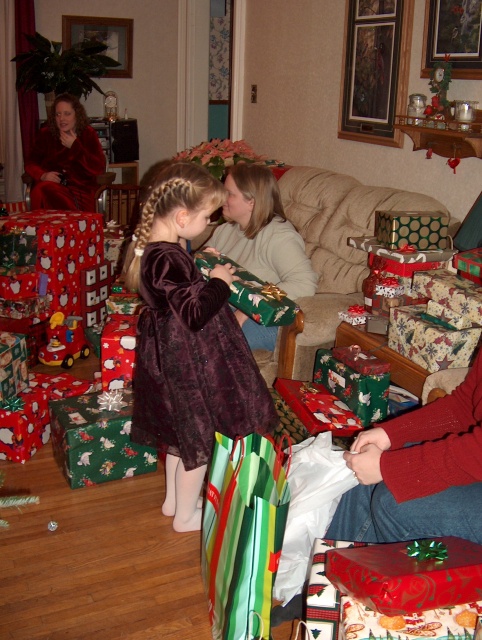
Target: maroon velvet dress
(82,163)
(195,373)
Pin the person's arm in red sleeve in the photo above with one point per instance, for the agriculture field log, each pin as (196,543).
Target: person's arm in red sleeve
(87,154)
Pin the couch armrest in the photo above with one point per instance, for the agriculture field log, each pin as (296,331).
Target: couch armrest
(287,346)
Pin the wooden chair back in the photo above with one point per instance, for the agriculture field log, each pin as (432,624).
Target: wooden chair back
(119,203)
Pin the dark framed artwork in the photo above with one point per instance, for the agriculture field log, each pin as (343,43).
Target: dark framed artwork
(116,33)
(375,70)
(453,28)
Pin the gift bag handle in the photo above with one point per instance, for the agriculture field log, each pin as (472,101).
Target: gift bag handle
(280,453)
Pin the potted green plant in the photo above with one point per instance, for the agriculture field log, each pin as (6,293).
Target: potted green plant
(49,70)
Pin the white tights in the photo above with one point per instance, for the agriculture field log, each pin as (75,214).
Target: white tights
(182,495)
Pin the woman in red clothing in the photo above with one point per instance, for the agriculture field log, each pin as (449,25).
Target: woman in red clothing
(420,473)
(66,159)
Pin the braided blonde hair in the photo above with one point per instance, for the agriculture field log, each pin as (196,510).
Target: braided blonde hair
(182,184)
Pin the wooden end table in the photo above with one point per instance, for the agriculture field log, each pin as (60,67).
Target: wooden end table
(403,372)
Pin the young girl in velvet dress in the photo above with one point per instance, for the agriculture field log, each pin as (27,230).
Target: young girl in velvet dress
(195,373)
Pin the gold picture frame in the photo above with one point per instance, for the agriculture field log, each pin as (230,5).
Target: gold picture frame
(376,65)
(116,33)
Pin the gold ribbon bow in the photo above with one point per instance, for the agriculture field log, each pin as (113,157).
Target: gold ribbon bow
(274,292)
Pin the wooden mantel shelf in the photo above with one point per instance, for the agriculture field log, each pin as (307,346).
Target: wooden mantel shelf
(448,143)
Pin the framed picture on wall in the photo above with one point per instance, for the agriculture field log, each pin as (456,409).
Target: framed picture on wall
(454,29)
(375,70)
(116,33)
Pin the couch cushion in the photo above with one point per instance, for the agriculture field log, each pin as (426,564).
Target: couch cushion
(327,208)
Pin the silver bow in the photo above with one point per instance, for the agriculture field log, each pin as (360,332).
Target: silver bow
(111,400)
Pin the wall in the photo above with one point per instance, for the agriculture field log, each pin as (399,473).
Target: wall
(151,94)
(295,58)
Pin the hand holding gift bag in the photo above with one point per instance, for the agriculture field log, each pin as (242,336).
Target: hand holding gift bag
(243,526)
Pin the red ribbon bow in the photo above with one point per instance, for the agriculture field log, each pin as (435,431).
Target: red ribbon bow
(389,282)
(356,309)
(408,248)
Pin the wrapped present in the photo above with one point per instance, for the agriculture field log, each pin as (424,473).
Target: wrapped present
(114,242)
(400,578)
(354,315)
(423,230)
(262,301)
(67,240)
(26,308)
(360,360)
(6,270)
(323,599)
(469,265)
(13,365)
(34,331)
(118,351)
(24,424)
(17,248)
(60,385)
(93,336)
(437,310)
(409,255)
(289,424)
(317,408)
(389,287)
(407,269)
(431,343)
(123,303)
(95,284)
(381,305)
(23,285)
(91,441)
(452,291)
(360,623)
(366,396)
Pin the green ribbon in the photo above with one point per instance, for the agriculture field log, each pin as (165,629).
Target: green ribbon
(423,550)
(434,320)
(12,404)
(116,288)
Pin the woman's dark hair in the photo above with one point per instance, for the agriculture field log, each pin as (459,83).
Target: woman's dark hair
(81,119)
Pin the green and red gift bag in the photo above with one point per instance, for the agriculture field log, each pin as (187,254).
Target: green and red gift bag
(243,527)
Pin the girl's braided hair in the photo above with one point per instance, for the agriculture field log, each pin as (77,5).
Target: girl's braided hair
(181,184)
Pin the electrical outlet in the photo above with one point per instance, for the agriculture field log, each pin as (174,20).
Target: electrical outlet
(254,93)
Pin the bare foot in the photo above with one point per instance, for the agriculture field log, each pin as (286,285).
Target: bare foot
(169,509)
(192,524)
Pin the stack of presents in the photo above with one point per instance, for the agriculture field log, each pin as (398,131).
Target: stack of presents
(423,589)
(59,299)
(425,295)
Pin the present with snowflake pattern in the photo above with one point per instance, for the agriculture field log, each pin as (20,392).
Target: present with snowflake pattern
(430,342)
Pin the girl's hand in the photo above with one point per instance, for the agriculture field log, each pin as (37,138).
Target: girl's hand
(213,251)
(224,272)
(240,317)
(366,464)
(377,436)
(50,176)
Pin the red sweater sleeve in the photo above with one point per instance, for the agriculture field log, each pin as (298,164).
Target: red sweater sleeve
(448,443)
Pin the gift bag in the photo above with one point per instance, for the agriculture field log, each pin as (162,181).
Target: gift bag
(243,526)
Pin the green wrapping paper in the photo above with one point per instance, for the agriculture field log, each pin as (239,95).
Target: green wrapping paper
(424,230)
(365,395)
(93,445)
(13,365)
(265,303)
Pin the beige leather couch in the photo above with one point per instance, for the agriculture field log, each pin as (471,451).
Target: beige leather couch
(326,208)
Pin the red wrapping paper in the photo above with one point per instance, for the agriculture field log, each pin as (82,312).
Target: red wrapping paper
(118,355)
(360,360)
(335,416)
(403,268)
(384,578)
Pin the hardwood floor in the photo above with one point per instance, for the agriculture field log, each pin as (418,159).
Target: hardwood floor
(113,569)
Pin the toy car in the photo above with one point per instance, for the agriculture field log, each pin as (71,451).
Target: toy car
(66,342)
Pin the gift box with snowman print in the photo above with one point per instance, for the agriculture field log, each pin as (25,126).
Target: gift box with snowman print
(118,352)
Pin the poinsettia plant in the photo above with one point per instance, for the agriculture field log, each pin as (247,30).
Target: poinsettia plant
(218,154)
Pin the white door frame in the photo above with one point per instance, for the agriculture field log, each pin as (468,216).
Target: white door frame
(193,72)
